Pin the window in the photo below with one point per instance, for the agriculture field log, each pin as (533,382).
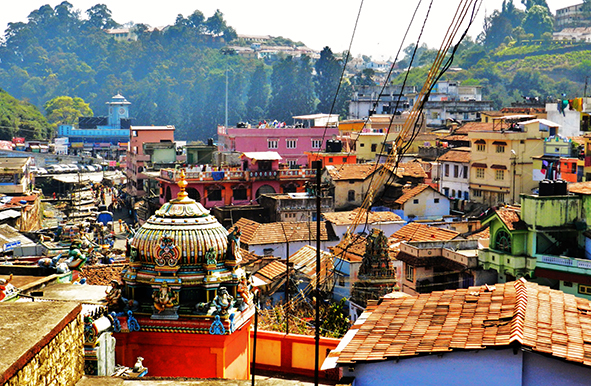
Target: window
(436,201)
(500,197)
(351,195)
(459,194)
(500,149)
(214,194)
(344,160)
(361,145)
(268,251)
(135,133)
(415,201)
(330,159)
(272,143)
(453,193)
(503,241)
(409,272)
(499,175)
(466,116)
(446,170)
(291,143)
(479,173)
(240,193)
(456,171)
(477,192)
(292,162)
(481,147)
(465,172)
(584,289)
(567,283)
(374,147)
(316,143)
(341,281)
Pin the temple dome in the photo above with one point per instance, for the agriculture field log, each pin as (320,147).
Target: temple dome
(180,233)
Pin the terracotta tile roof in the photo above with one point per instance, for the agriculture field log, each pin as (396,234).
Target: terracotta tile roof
(271,271)
(456,156)
(510,217)
(304,260)
(474,126)
(422,232)
(537,317)
(409,169)
(351,251)
(412,192)
(254,233)
(438,262)
(483,234)
(347,218)
(248,256)
(102,274)
(456,138)
(580,187)
(352,171)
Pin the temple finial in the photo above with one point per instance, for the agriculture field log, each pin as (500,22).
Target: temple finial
(182,185)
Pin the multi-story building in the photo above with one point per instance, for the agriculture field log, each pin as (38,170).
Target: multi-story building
(454,170)
(101,132)
(571,16)
(290,141)
(258,174)
(450,100)
(137,159)
(367,101)
(501,164)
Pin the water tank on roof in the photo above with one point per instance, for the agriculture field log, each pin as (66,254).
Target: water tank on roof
(560,188)
(546,188)
(334,146)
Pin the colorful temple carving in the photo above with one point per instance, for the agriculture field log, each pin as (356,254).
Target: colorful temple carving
(377,276)
(191,300)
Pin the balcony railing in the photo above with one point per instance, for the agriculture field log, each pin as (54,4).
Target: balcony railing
(565,261)
(239,175)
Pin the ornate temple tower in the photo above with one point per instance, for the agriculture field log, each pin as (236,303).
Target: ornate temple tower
(377,276)
(191,301)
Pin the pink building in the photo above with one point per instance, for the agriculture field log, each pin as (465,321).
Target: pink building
(291,142)
(259,174)
(137,160)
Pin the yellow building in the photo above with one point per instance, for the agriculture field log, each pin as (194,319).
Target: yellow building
(501,166)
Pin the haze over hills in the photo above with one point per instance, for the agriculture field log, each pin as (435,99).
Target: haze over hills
(178,76)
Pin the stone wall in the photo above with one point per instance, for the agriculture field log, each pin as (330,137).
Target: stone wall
(59,363)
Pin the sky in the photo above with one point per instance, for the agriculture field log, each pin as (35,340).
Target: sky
(317,23)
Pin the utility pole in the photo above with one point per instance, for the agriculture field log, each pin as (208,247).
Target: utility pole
(226,122)
(318,167)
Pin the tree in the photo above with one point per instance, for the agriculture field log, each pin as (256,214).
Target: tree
(328,74)
(65,110)
(258,94)
(538,20)
(529,4)
(99,16)
(20,119)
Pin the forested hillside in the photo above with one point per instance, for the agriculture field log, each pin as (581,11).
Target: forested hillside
(20,119)
(176,76)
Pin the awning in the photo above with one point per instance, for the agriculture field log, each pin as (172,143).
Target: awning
(480,142)
(501,143)
(499,167)
(263,155)
(479,165)
(9,213)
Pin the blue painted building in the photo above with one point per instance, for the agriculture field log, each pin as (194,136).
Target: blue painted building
(101,132)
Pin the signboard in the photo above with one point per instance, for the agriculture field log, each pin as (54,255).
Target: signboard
(18,140)
(10,246)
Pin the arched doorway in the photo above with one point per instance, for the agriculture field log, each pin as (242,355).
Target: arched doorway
(194,194)
(264,189)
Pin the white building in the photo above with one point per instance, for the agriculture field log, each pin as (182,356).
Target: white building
(454,173)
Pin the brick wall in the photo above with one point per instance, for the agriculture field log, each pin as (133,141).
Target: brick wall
(60,362)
